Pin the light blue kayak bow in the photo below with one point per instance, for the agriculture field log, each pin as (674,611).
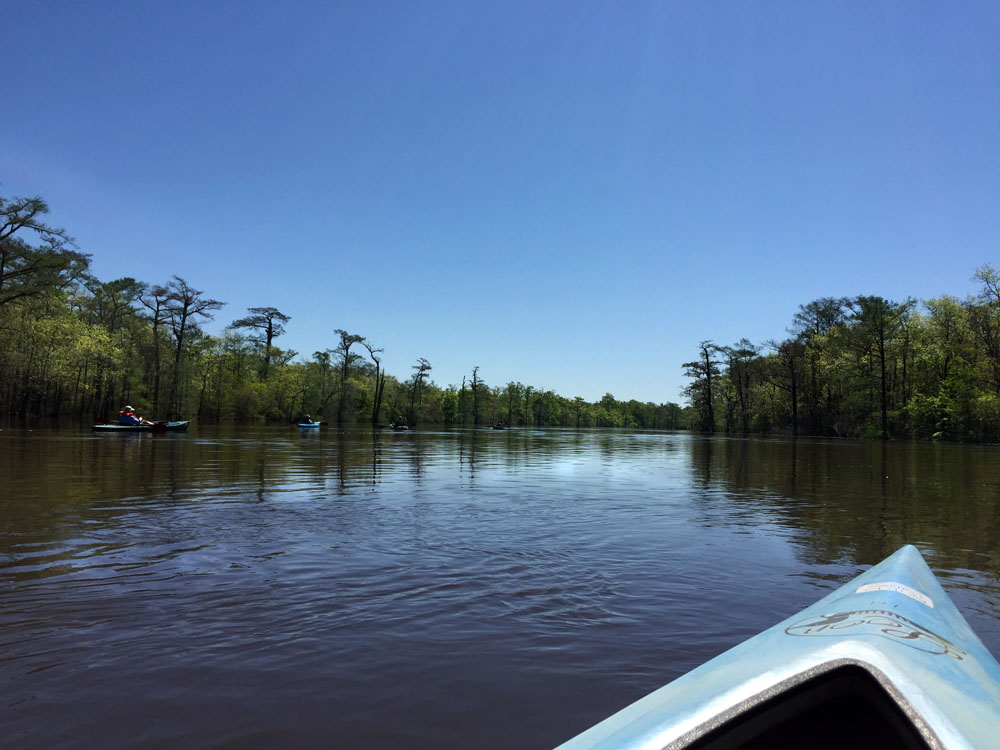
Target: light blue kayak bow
(886,658)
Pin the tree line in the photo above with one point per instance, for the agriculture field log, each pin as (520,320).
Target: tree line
(863,366)
(74,346)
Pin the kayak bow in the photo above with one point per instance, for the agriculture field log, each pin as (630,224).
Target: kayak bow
(887,660)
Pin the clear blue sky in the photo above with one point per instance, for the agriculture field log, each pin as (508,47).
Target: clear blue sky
(569,194)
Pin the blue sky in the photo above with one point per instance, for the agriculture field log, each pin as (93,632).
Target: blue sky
(568,194)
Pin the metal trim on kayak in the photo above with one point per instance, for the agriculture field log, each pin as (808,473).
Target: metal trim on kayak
(894,621)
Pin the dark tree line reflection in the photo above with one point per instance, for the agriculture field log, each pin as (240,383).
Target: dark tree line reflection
(845,501)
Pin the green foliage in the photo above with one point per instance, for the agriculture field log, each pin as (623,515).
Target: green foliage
(71,344)
(35,258)
(863,367)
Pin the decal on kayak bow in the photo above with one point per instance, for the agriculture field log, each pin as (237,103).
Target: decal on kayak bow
(878,622)
(899,588)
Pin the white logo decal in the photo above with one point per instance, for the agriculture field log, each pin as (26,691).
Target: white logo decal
(899,588)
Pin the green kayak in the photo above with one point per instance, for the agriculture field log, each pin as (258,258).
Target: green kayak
(156,427)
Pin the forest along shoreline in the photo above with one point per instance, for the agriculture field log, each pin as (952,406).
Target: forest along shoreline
(73,346)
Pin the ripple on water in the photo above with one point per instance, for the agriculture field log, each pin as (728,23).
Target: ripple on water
(269,588)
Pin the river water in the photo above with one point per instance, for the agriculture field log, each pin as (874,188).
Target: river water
(472,588)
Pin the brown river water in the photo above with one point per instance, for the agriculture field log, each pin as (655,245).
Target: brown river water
(263,587)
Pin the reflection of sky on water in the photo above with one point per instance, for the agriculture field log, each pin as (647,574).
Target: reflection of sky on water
(566,556)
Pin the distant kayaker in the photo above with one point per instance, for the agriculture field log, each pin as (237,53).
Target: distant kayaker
(306,419)
(128,416)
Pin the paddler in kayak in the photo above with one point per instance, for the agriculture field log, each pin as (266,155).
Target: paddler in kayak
(128,416)
(307,420)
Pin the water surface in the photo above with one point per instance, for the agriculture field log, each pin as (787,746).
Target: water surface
(262,587)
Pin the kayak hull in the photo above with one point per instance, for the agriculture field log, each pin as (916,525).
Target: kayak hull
(160,427)
(894,625)
(311,426)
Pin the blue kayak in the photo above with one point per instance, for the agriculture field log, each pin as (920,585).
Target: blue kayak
(885,661)
(309,425)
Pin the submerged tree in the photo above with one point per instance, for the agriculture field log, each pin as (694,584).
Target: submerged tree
(379,391)
(184,305)
(422,368)
(476,385)
(704,371)
(343,350)
(984,319)
(739,359)
(785,372)
(156,299)
(513,394)
(879,322)
(112,307)
(815,324)
(267,321)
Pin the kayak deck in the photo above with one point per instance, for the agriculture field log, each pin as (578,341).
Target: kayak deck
(889,646)
(159,427)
